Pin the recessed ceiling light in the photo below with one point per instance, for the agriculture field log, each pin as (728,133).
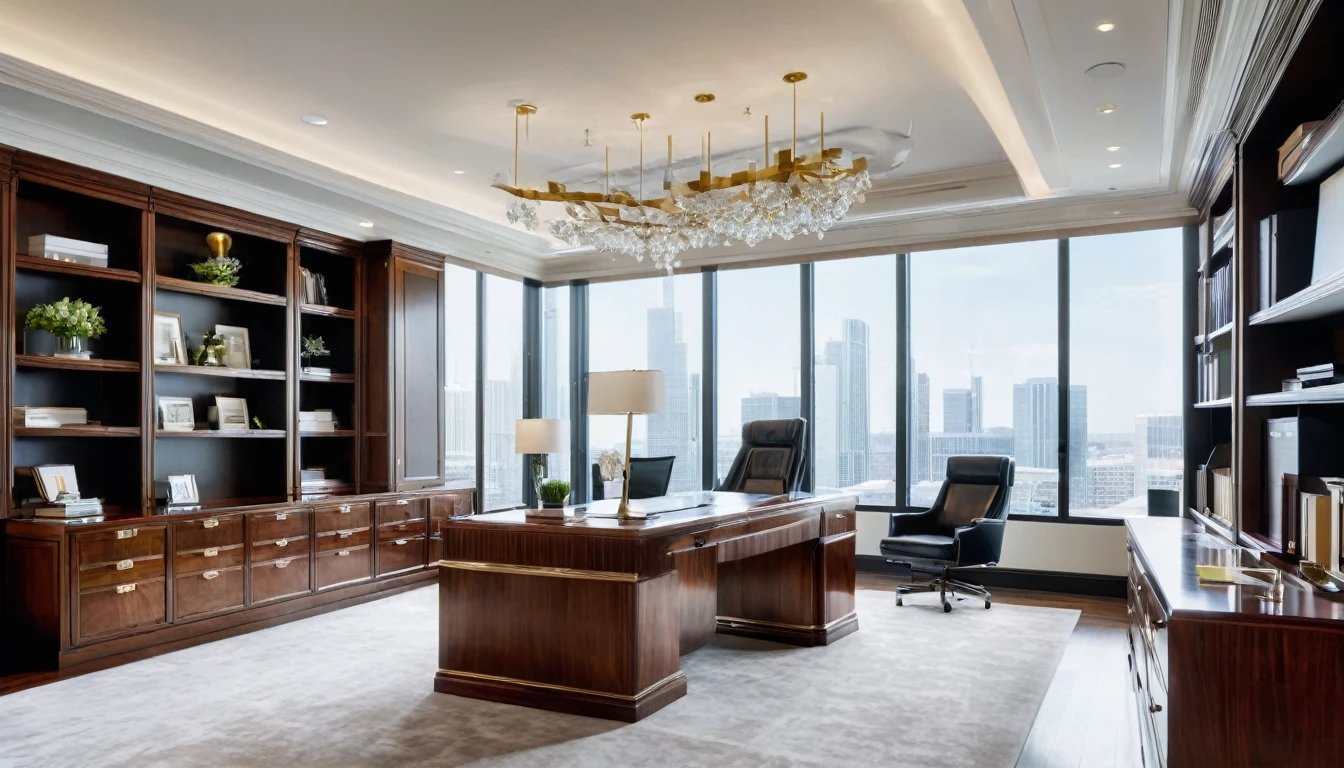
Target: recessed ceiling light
(1112,149)
(1106,26)
(312,118)
(1115,213)
(366,224)
(1114,165)
(458,173)
(1106,109)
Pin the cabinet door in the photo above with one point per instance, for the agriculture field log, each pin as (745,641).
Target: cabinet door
(418,374)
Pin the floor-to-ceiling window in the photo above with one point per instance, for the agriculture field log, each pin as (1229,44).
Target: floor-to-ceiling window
(984,362)
(854,378)
(655,324)
(460,371)
(759,347)
(1124,352)
(555,367)
(503,395)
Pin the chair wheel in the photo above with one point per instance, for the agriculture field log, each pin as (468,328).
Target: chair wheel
(932,587)
(899,601)
(947,607)
(986,604)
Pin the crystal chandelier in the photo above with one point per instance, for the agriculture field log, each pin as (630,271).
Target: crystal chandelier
(791,196)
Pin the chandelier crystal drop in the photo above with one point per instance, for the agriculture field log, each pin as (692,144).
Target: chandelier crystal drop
(792,196)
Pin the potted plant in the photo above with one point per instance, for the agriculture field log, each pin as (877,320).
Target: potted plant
(212,350)
(220,268)
(553,494)
(313,346)
(72,323)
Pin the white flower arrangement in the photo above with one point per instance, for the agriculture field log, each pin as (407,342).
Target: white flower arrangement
(611,464)
(66,319)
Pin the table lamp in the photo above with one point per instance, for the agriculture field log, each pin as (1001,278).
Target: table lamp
(617,393)
(537,438)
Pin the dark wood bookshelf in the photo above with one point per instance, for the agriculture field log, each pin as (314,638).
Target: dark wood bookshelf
(334,378)
(224,434)
(337,433)
(76,364)
(1318,300)
(323,310)
(180,285)
(1322,395)
(39,264)
(260,374)
(77,430)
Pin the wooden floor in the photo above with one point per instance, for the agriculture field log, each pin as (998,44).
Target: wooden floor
(1088,718)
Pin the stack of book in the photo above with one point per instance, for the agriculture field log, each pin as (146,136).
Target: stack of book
(67,249)
(1318,375)
(1214,375)
(321,420)
(69,508)
(1319,521)
(1216,299)
(51,418)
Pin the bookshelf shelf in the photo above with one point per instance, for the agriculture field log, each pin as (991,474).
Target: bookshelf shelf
(335,378)
(337,433)
(75,364)
(1226,329)
(178,285)
(1326,154)
(224,434)
(260,374)
(1223,402)
(77,430)
(1322,395)
(1320,299)
(322,310)
(39,264)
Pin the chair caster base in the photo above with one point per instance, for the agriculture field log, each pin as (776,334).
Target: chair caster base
(987,604)
(899,601)
(947,607)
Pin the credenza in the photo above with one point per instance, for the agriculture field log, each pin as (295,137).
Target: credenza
(1220,675)
(84,596)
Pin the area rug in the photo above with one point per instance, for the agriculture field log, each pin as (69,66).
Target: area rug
(913,687)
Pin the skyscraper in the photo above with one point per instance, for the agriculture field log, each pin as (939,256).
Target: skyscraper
(1036,431)
(849,357)
(768,405)
(977,404)
(919,421)
(554,389)
(672,432)
(826,430)
(957,406)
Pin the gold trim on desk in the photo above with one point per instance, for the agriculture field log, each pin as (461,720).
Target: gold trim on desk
(457,673)
(539,570)
(734,620)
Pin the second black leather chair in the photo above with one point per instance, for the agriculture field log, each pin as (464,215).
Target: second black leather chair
(649,477)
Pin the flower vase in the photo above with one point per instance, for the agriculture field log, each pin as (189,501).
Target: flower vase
(76,347)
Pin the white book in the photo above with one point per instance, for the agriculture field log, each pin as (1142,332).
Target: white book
(33,416)
(311,371)
(317,426)
(320,415)
(40,243)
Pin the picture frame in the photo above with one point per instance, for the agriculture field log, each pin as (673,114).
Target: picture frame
(182,490)
(169,345)
(55,479)
(177,414)
(237,346)
(232,414)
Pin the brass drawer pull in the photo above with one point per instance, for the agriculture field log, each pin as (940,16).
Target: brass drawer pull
(281,515)
(282,564)
(344,534)
(125,565)
(343,553)
(699,542)
(399,542)
(211,552)
(840,516)
(403,502)
(345,509)
(208,575)
(124,588)
(212,522)
(402,527)
(1154,707)
(128,533)
(282,542)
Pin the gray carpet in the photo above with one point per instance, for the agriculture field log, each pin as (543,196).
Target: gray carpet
(913,687)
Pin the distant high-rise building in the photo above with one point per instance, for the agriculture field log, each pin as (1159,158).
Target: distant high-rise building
(554,389)
(503,467)
(1159,451)
(942,445)
(1036,431)
(919,422)
(460,440)
(673,431)
(957,407)
(1111,481)
(768,405)
(977,404)
(849,357)
(826,430)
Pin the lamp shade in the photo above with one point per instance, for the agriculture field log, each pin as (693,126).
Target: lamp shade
(540,436)
(613,393)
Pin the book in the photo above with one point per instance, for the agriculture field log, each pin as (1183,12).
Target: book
(39,243)
(71,508)
(1222,494)
(317,426)
(311,371)
(34,416)
(322,414)
(1318,525)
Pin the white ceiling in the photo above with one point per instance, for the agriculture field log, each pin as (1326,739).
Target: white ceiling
(417,89)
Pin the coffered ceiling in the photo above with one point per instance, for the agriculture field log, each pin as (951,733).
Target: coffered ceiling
(979,117)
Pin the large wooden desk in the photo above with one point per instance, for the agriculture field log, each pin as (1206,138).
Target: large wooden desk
(591,616)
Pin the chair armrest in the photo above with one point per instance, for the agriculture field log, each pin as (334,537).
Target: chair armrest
(913,523)
(980,544)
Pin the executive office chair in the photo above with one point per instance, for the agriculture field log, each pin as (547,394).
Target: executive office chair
(649,477)
(770,459)
(963,528)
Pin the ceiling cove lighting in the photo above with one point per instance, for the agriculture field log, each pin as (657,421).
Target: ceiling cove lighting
(458,173)
(1112,149)
(791,195)
(1106,109)
(366,224)
(1106,26)
(312,118)
(1114,165)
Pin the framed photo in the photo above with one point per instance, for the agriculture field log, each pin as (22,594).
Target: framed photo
(170,348)
(55,479)
(237,346)
(182,490)
(232,413)
(177,414)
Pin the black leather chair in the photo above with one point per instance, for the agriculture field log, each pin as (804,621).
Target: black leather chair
(649,477)
(963,528)
(770,459)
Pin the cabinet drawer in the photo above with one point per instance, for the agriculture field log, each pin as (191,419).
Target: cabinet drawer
(401,555)
(344,566)
(342,539)
(400,510)
(209,591)
(193,535)
(125,571)
(263,551)
(286,524)
(115,609)
(406,530)
(279,579)
(121,544)
(833,523)
(210,558)
(341,517)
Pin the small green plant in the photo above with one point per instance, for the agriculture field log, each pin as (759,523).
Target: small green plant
(221,270)
(212,350)
(314,346)
(553,492)
(66,319)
